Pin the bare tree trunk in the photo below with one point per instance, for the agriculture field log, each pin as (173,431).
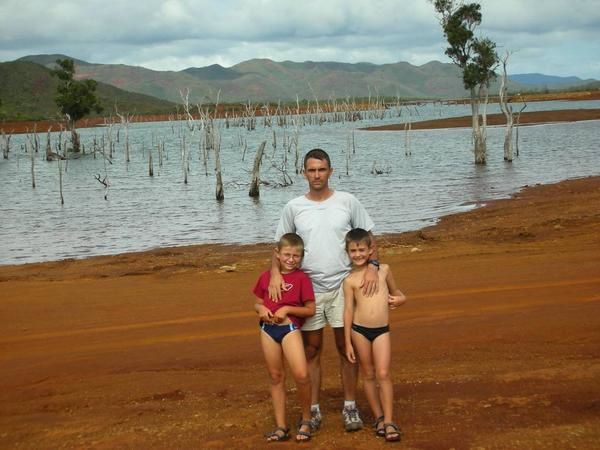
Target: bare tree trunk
(254,185)
(60,169)
(125,119)
(517,128)
(150,163)
(478,141)
(407,128)
(297,163)
(184,159)
(60,181)
(220,195)
(6,147)
(75,141)
(507,110)
(486,97)
(31,153)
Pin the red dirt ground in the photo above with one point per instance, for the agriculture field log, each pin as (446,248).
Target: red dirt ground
(498,346)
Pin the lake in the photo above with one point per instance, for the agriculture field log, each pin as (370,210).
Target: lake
(139,212)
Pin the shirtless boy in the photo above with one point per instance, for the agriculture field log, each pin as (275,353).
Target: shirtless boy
(367,331)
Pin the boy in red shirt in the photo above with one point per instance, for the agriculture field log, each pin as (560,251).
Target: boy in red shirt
(280,336)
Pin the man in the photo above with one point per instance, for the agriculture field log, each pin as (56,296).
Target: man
(322,217)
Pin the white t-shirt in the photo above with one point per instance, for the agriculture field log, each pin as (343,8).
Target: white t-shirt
(323,227)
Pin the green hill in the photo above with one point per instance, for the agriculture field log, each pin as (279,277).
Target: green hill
(27,92)
(262,80)
(255,80)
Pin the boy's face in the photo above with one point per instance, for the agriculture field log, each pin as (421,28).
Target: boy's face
(289,258)
(359,252)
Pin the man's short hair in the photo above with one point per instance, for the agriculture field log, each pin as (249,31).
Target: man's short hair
(317,153)
(358,235)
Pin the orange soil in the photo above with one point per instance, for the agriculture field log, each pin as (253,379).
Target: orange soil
(497,347)
(526,118)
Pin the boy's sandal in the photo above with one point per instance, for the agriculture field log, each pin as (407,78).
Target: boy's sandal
(304,436)
(380,432)
(394,435)
(278,434)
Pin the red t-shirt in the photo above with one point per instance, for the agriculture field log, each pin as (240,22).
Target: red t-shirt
(298,290)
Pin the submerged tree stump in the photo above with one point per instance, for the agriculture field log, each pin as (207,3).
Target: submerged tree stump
(254,185)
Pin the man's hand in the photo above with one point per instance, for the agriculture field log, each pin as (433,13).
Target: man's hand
(370,282)
(396,300)
(275,286)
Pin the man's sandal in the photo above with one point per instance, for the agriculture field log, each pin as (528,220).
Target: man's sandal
(304,436)
(278,434)
(380,432)
(394,435)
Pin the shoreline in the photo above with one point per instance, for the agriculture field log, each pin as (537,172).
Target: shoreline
(497,346)
(43,126)
(177,255)
(526,118)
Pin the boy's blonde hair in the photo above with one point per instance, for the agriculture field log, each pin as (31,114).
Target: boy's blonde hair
(291,240)
(358,235)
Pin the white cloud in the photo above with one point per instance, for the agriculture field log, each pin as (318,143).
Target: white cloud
(553,37)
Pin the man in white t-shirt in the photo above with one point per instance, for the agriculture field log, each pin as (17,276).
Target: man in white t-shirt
(322,217)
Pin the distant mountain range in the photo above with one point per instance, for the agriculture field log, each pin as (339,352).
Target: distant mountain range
(27,92)
(261,80)
(538,79)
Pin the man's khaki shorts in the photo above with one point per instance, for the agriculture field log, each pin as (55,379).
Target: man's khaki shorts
(329,310)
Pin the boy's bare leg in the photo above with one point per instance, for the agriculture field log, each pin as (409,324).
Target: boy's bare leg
(382,358)
(363,348)
(274,358)
(349,371)
(293,349)
(313,342)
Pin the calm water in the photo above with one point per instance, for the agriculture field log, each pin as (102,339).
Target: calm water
(143,212)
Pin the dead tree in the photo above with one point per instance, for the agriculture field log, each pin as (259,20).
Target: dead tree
(6,142)
(150,163)
(220,195)
(250,116)
(60,167)
(507,109)
(50,155)
(31,153)
(60,181)
(407,129)
(517,128)
(254,186)
(125,122)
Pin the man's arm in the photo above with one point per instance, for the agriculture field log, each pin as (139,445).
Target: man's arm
(285,225)
(370,282)
(276,280)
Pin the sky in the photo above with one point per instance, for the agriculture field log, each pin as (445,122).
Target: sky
(552,37)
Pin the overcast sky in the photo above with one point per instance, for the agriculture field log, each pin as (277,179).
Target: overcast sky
(553,37)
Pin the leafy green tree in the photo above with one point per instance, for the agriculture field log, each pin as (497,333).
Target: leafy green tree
(476,57)
(75,98)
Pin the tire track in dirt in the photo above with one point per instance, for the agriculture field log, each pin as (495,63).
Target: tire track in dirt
(245,331)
